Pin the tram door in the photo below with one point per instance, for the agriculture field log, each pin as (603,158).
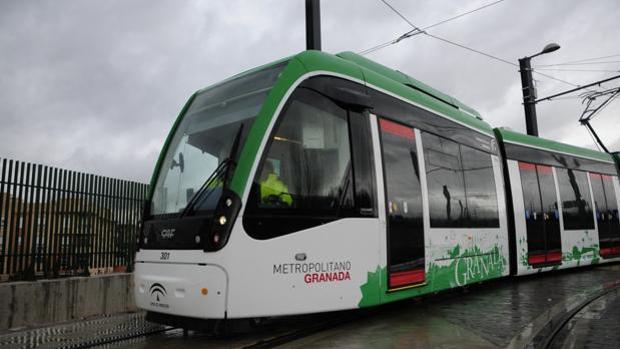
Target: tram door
(405,229)
(542,215)
(606,215)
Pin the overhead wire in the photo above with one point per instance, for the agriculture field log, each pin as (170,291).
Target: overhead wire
(422,31)
(581,70)
(472,50)
(400,15)
(462,14)
(590,59)
(566,97)
(556,79)
(583,63)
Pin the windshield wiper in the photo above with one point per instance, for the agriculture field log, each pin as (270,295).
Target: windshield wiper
(209,186)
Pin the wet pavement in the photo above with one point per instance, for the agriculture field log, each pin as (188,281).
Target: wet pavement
(498,314)
(80,333)
(502,314)
(595,326)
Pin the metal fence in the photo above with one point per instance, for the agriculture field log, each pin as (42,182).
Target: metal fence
(56,222)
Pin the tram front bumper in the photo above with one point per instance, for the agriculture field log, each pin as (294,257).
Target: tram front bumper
(189,290)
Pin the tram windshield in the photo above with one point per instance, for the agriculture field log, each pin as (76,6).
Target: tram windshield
(216,118)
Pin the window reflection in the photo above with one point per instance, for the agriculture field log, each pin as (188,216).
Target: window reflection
(575,194)
(305,178)
(461,184)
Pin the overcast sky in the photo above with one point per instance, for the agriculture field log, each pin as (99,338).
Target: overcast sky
(94,86)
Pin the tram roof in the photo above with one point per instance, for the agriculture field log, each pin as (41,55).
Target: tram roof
(395,82)
(378,75)
(510,136)
(406,80)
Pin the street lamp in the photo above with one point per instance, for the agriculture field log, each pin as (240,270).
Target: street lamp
(529,91)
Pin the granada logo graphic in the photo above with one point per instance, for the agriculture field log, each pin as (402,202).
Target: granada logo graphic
(167,233)
(158,292)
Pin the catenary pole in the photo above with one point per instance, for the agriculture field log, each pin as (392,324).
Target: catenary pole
(313,25)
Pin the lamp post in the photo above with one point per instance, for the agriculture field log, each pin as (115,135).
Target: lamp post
(529,91)
(313,25)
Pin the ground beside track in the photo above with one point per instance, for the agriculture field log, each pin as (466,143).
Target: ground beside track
(500,314)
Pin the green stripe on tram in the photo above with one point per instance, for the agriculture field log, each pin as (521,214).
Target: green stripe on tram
(164,148)
(547,144)
(291,72)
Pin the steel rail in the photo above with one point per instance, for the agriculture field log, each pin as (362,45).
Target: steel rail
(115,338)
(547,340)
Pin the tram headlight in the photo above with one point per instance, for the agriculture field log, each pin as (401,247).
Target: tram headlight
(197,239)
(146,240)
(222,220)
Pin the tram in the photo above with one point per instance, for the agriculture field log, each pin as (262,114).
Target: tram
(329,182)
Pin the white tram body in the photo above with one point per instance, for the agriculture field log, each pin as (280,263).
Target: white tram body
(382,188)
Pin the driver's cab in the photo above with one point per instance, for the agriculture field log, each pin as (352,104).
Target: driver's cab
(304,177)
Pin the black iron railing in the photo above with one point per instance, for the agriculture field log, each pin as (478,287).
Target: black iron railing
(56,222)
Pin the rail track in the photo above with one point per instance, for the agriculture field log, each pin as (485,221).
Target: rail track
(548,335)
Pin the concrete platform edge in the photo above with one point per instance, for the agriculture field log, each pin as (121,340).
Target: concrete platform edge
(45,302)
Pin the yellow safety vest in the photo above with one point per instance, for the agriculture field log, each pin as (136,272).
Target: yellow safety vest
(274,186)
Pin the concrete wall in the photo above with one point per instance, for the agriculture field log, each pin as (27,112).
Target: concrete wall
(50,301)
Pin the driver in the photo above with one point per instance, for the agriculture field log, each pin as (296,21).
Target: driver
(272,189)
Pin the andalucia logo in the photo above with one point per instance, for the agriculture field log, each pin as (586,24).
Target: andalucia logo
(157,290)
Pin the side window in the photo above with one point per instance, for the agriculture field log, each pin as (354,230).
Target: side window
(304,179)
(600,203)
(363,164)
(446,185)
(576,201)
(461,184)
(531,192)
(480,187)
(600,207)
(612,203)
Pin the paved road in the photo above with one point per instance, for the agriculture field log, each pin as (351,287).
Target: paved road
(499,314)
(496,315)
(595,326)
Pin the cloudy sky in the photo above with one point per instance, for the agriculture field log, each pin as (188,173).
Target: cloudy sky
(95,85)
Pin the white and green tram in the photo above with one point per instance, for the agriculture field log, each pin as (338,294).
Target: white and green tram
(329,182)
